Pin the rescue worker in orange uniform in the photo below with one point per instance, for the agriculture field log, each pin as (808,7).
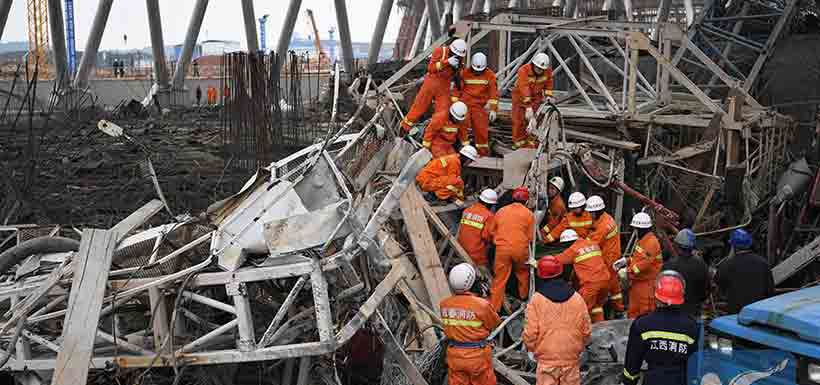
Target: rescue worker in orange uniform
(479,91)
(557,326)
(445,128)
(606,234)
(474,230)
(445,62)
(592,273)
(468,320)
(576,219)
(533,85)
(557,209)
(642,267)
(442,176)
(511,232)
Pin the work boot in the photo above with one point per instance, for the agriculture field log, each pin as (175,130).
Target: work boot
(430,197)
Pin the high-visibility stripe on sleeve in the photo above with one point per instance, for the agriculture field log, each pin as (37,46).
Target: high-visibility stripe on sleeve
(425,143)
(580,223)
(636,270)
(541,79)
(549,238)
(443,162)
(612,233)
(657,334)
(531,80)
(493,101)
(408,122)
(659,257)
(482,145)
(617,297)
(450,129)
(527,99)
(546,229)
(629,376)
(438,66)
(454,99)
(461,322)
(584,257)
(638,249)
(475,224)
(596,310)
(453,188)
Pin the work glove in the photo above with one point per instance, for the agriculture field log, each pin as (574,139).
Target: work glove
(550,100)
(493,115)
(622,274)
(459,202)
(533,262)
(454,62)
(528,114)
(619,264)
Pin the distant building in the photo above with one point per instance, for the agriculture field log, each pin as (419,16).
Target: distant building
(219,47)
(332,48)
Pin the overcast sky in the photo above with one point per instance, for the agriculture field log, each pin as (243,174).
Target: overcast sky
(223,20)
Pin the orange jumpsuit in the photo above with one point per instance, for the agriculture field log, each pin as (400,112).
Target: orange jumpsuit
(529,91)
(474,232)
(582,224)
(436,87)
(593,276)
(441,134)
(555,214)
(511,231)
(606,234)
(478,89)
(556,334)
(644,265)
(211,95)
(468,321)
(442,176)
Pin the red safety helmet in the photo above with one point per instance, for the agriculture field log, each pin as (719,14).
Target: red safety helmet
(670,287)
(521,194)
(549,267)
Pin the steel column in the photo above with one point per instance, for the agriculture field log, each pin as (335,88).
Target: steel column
(434,18)
(157,44)
(194,25)
(5,7)
(378,34)
(250,26)
(55,21)
(478,6)
(458,10)
(344,35)
(89,60)
(287,30)
(421,32)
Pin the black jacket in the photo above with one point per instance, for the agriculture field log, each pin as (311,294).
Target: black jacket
(555,289)
(665,339)
(745,278)
(695,272)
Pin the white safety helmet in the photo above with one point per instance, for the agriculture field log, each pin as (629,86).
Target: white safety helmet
(489,196)
(459,111)
(641,221)
(558,183)
(459,47)
(462,277)
(470,152)
(568,235)
(595,203)
(541,60)
(479,62)
(576,200)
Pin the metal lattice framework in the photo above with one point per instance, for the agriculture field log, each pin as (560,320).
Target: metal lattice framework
(37,11)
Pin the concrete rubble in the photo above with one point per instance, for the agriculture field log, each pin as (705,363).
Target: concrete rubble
(327,266)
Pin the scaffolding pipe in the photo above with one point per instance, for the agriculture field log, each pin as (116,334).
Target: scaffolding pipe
(89,59)
(157,44)
(434,19)
(55,21)
(250,26)
(344,35)
(378,34)
(287,31)
(458,10)
(194,25)
(478,7)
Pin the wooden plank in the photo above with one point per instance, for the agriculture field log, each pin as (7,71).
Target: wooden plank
(421,239)
(137,218)
(621,144)
(84,306)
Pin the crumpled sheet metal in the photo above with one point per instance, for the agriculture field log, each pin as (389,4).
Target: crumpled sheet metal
(312,229)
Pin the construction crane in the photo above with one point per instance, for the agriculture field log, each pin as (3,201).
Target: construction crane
(38,36)
(316,40)
(263,35)
(69,37)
